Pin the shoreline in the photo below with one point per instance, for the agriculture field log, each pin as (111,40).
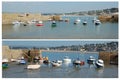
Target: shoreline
(69,51)
(8,18)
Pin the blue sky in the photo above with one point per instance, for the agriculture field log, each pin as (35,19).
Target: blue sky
(48,43)
(55,7)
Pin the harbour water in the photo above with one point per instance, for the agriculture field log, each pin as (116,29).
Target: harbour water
(63,30)
(64,71)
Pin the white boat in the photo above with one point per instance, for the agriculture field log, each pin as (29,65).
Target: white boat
(77,21)
(17,22)
(91,60)
(85,22)
(21,61)
(33,66)
(67,59)
(99,63)
(53,22)
(56,64)
(40,22)
(13,60)
(5,60)
(59,61)
(32,21)
(97,22)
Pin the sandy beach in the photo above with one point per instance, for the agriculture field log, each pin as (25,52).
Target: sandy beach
(8,18)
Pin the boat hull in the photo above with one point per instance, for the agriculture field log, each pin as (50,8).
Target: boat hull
(55,64)
(32,66)
(39,24)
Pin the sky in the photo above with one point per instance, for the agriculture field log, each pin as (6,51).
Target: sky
(55,7)
(48,43)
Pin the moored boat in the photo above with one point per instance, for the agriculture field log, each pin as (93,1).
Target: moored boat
(33,66)
(78,62)
(21,61)
(99,63)
(17,22)
(67,59)
(91,60)
(54,24)
(97,22)
(4,65)
(77,21)
(40,23)
(85,22)
(56,63)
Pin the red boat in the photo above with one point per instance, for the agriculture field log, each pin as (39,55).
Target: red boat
(39,24)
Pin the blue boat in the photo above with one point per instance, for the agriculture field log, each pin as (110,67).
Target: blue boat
(22,61)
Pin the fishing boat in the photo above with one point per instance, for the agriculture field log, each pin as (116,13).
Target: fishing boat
(91,60)
(67,59)
(56,63)
(33,66)
(40,23)
(99,63)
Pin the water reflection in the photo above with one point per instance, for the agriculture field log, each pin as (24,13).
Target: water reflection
(91,65)
(97,28)
(100,71)
(16,27)
(67,64)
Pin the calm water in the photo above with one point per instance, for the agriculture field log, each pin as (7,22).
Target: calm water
(63,30)
(65,71)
